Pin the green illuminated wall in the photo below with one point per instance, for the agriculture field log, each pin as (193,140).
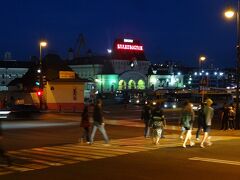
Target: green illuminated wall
(107,82)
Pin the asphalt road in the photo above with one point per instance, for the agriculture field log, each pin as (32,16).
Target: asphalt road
(48,148)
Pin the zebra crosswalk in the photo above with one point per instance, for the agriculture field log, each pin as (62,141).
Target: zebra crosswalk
(50,156)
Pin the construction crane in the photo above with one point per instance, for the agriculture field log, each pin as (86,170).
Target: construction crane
(80,44)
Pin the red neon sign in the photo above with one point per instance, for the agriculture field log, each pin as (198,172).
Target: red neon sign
(130,47)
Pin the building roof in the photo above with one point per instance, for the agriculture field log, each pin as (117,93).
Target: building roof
(15,64)
(89,60)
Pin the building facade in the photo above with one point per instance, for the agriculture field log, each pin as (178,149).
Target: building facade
(125,68)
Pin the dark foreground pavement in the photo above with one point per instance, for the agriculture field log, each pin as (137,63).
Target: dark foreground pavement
(130,156)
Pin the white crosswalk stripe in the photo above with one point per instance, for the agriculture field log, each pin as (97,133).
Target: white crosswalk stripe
(45,157)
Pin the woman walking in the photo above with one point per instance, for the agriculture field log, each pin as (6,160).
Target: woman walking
(208,112)
(187,120)
(85,124)
(158,123)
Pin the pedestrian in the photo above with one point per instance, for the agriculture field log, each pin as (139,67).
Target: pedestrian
(208,113)
(3,154)
(146,116)
(231,118)
(98,122)
(200,121)
(224,117)
(85,124)
(187,120)
(158,123)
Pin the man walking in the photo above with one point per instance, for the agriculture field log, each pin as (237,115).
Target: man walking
(98,122)
(146,116)
(200,121)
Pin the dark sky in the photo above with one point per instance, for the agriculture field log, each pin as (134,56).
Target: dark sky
(178,30)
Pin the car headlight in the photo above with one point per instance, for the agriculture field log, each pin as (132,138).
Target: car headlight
(174,106)
(137,101)
(154,103)
(165,105)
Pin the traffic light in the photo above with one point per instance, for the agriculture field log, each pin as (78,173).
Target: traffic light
(37,81)
(44,80)
(39,93)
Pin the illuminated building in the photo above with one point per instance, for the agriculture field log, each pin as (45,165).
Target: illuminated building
(124,68)
(165,76)
(11,69)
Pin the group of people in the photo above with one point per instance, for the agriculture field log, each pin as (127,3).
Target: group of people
(98,123)
(228,114)
(204,122)
(155,122)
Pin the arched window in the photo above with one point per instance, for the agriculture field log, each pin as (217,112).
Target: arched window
(131,84)
(122,85)
(141,84)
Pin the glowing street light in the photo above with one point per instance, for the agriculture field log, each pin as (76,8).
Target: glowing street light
(43,43)
(202,58)
(229,13)
(109,51)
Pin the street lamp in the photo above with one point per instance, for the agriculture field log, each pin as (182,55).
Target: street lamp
(42,44)
(229,14)
(201,60)
(202,80)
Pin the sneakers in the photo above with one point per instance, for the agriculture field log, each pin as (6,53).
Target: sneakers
(192,143)
(80,140)
(202,146)
(209,143)
(184,146)
(106,144)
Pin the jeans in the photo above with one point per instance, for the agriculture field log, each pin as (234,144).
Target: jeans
(200,126)
(4,156)
(86,134)
(101,129)
(146,129)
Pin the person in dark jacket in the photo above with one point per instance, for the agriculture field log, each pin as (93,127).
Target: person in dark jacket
(224,117)
(200,121)
(3,154)
(146,116)
(85,124)
(98,122)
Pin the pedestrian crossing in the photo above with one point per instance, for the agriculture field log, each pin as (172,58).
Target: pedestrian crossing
(52,156)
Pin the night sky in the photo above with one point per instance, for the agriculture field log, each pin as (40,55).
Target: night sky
(178,30)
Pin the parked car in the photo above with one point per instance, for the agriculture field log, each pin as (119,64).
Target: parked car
(170,103)
(22,111)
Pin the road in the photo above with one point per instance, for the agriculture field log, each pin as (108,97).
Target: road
(48,148)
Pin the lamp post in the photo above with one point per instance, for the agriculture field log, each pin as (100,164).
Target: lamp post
(229,14)
(202,84)
(201,60)
(42,44)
